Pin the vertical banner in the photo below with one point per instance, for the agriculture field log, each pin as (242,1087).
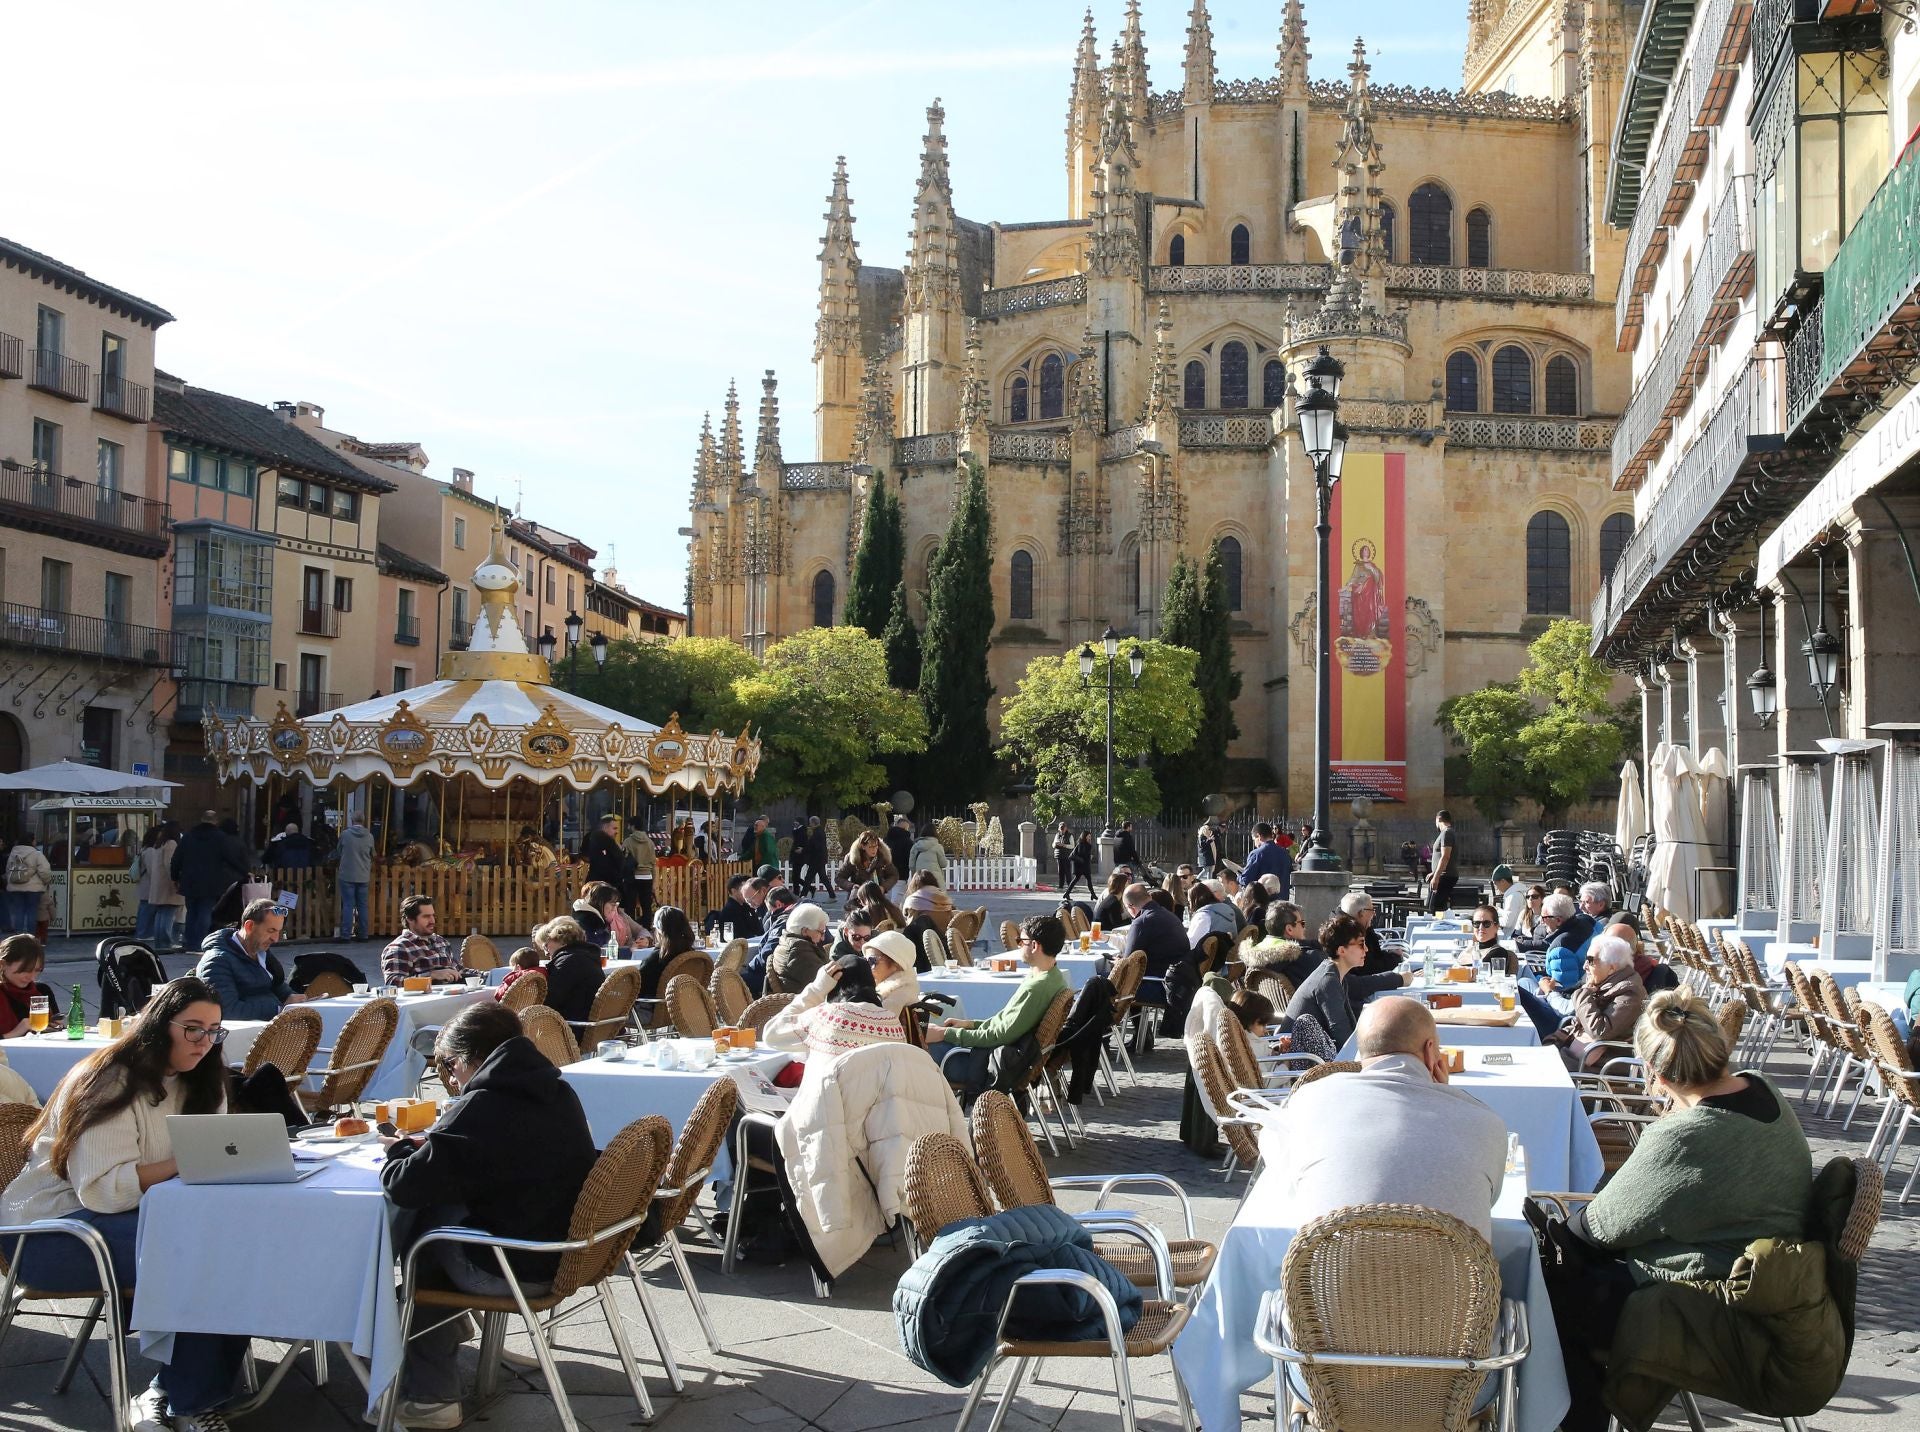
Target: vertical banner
(1370,629)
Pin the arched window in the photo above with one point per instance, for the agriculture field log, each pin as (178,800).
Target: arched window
(1230,564)
(823,598)
(1194,387)
(1386,231)
(1017,400)
(1479,239)
(1563,387)
(1463,383)
(1429,226)
(1240,245)
(1512,380)
(1233,374)
(1273,384)
(1131,597)
(1053,387)
(1549,565)
(1177,250)
(1020,586)
(1615,533)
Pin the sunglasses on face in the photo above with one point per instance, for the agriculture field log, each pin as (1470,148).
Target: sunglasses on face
(1483,924)
(201,1033)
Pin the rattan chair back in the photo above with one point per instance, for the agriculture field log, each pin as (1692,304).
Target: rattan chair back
(943,1186)
(1047,1033)
(1322,1071)
(695,965)
(964,930)
(1398,1280)
(1210,952)
(1275,986)
(1842,1010)
(1009,935)
(363,1040)
(530,989)
(550,1035)
(326,986)
(287,1043)
(730,994)
(1810,1004)
(690,1009)
(733,957)
(477,952)
(612,1007)
(756,1015)
(1127,975)
(1211,1075)
(15,1119)
(1235,1047)
(1733,1020)
(696,1148)
(1891,1050)
(620,1185)
(1008,1157)
(933,948)
(1863,1215)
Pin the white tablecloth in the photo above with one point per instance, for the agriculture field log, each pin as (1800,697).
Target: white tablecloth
(1216,1354)
(308,1260)
(401,1066)
(1519,1035)
(1845,973)
(44,1059)
(1890,995)
(1535,1098)
(615,1094)
(983,994)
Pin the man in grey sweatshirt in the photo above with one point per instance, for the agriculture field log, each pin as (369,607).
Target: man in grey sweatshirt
(355,853)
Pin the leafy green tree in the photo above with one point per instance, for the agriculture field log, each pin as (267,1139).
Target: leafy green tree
(1195,615)
(693,676)
(823,710)
(1054,730)
(877,562)
(1487,723)
(954,686)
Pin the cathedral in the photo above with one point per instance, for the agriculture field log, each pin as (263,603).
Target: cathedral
(1126,373)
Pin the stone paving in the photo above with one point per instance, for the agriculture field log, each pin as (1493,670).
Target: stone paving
(794,1362)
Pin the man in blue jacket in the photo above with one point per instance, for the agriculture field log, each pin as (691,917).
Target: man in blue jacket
(1268,858)
(1548,998)
(239,965)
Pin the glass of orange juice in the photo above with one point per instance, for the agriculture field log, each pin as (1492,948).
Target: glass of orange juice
(1096,931)
(37,1014)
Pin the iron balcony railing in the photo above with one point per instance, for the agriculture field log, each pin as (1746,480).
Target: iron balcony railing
(13,359)
(39,498)
(312,703)
(460,634)
(122,398)
(406,630)
(67,634)
(53,372)
(319,620)
(226,699)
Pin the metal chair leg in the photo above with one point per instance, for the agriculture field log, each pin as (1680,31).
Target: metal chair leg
(1691,1406)
(652,1316)
(617,1326)
(320,1362)
(88,1321)
(968,1407)
(1005,1406)
(1123,1388)
(493,1338)
(548,1369)
(678,1255)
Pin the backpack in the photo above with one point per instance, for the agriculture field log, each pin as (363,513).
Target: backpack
(20,865)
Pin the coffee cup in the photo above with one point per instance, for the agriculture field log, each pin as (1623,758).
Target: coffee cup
(361,989)
(475,981)
(613,1050)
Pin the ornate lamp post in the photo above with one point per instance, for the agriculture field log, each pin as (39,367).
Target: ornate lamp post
(1762,688)
(1325,440)
(1136,659)
(1822,648)
(548,643)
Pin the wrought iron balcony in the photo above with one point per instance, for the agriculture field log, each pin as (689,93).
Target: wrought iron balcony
(67,634)
(460,634)
(13,357)
(312,703)
(319,620)
(53,372)
(406,631)
(122,399)
(41,500)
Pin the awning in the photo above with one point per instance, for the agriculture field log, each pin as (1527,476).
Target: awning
(70,778)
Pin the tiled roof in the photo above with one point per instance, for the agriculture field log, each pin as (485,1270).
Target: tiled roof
(392,559)
(66,276)
(256,431)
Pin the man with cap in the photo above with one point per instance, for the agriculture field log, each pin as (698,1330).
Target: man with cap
(802,949)
(1509,899)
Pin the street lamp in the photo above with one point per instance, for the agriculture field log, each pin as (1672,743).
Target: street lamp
(1762,689)
(546,642)
(573,625)
(599,645)
(1136,660)
(1822,647)
(1325,438)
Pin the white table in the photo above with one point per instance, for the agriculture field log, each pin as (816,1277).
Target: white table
(1216,1354)
(401,1066)
(44,1059)
(498,975)
(614,1094)
(300,1261)
(983,994)
(1845,973)
(1534,1096)
(1519,1035)
(1890,995)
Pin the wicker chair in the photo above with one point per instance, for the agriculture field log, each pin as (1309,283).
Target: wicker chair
(287,1043)
(327,986)
(612,1009)
(730,994)
(1047,1034)
(962,931)
(1338,1301)
(1210,952)
(694,963)
(1077,922)
(477,952)
(690,1009)
(1733,1019)
(1009,934)
(733,956)
(530,989)
(1275,986)
(1321,1071)
(550,1035)
(1902,1083)
(678,1196)
(756,1015)
(611,1207)
(1210,1075)
(355,1055)
(1844,1022)
(1127,975)
(943,1185)
(933,947)
(1011,1161)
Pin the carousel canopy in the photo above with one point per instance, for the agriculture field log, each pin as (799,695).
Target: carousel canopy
(492,715)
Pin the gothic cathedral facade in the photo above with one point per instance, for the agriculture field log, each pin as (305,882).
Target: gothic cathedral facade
(1126,376)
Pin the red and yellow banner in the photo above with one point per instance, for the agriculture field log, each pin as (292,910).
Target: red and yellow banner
(1370,628)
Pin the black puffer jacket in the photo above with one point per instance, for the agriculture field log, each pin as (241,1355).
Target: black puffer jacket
(206,861)
(514,1150)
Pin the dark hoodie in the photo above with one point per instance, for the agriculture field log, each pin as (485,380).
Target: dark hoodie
(513,1150)
(206,862)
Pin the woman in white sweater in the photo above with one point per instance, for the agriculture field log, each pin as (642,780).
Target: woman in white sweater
(100,1144)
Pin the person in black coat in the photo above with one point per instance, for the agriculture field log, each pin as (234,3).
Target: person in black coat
(573,968)
(601,850)
(899,840)
(1125,851)
(206,864)
(510,1158)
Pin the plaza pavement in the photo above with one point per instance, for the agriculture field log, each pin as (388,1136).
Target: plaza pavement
(794,1362)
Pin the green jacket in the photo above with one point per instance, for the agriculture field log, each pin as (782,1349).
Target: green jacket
(1773,1337)
(1021,1016)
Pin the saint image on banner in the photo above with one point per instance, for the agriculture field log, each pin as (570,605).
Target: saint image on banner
(1366,620)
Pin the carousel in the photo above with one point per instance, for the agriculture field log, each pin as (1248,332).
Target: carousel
(475,784)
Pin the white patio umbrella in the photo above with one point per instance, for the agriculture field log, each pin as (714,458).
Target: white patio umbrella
(1715,779)
(1677,833)
(1631,823)
(70,778)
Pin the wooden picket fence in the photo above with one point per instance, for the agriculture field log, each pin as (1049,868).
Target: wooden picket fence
(494,900)
(696,887)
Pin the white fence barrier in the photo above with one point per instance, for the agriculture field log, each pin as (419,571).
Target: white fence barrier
(992,872)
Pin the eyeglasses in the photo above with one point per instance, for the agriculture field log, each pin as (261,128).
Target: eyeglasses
(1483,924)
(201,1033)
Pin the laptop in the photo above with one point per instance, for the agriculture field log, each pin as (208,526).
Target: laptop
(234,1148)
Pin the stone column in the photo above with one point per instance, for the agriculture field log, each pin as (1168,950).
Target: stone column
(1883,619)
(1802,720)
(1318,893)
(1672,676)
(1649,718)
(1748,742)
(1706,685)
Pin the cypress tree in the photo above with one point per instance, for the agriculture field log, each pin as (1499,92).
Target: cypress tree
(902,641)
(877,561)
(954,686)
(1196,616)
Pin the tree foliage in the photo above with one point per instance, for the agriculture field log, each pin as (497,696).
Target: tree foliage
(902,642)
(1054,730)
(877,562)
(1195,615)
(693,676)
(954,685)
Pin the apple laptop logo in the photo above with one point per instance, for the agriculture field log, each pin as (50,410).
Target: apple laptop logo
(233,1151)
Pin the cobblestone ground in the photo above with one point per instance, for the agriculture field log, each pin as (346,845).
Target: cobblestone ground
(791,1361)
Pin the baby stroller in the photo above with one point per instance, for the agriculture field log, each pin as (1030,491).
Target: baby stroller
(129,973)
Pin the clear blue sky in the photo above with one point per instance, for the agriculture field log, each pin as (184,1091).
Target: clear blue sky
(540,241)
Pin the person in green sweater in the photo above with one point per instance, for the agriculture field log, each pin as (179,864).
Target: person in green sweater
(967,1062)
(1726,1165)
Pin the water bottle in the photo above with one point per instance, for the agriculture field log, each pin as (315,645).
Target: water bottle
(612,951)
(77,1016)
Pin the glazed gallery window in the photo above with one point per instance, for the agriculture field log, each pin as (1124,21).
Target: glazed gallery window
(1053,387)
(1429,226)
(1193,385)
(1230,565)
(1549,565)
(1233,375)
(1273,384)
(1463,383)
(1017,399)
(1512,380)
(1177,251)
(823,599)
(1479,239)
(1240,245)
(1563,387)
(1615,533)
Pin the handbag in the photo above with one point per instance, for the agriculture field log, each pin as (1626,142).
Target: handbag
(251,890)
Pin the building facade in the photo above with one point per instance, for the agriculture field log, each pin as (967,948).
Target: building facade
(83,520)
(1124,372)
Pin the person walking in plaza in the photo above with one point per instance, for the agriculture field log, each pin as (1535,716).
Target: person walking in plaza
(1268,857)
(968,1061)
(606,861)
(640,864)
(207,863)
(1446,864)
(819,867)
(927,853)
(1206,848)
(417,950)
(1509,898)
(238,965)
(1126,850)
(1083,866)
(160,899)
(354,872)
(28,875)
(1063,857)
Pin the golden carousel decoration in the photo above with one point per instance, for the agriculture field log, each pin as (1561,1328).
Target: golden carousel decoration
(494,744)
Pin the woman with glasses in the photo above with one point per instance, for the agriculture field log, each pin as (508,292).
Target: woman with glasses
(1530,932)
(1487,948)
(99,1145)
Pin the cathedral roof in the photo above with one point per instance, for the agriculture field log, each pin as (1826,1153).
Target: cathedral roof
(881,292)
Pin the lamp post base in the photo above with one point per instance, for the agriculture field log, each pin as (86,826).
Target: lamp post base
(1320,856)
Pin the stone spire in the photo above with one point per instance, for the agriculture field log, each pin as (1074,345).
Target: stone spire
(1198,88)
(1088,405)
(1292,64)
(1116,239)
(1358,160)
(1131,77)
(766,441)
(733,459)
(975,406)
(1163,391)
(837,328)
(933,262)
(706,468)
(1083,123)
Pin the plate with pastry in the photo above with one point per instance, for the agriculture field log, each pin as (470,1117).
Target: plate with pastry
(340,1131)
